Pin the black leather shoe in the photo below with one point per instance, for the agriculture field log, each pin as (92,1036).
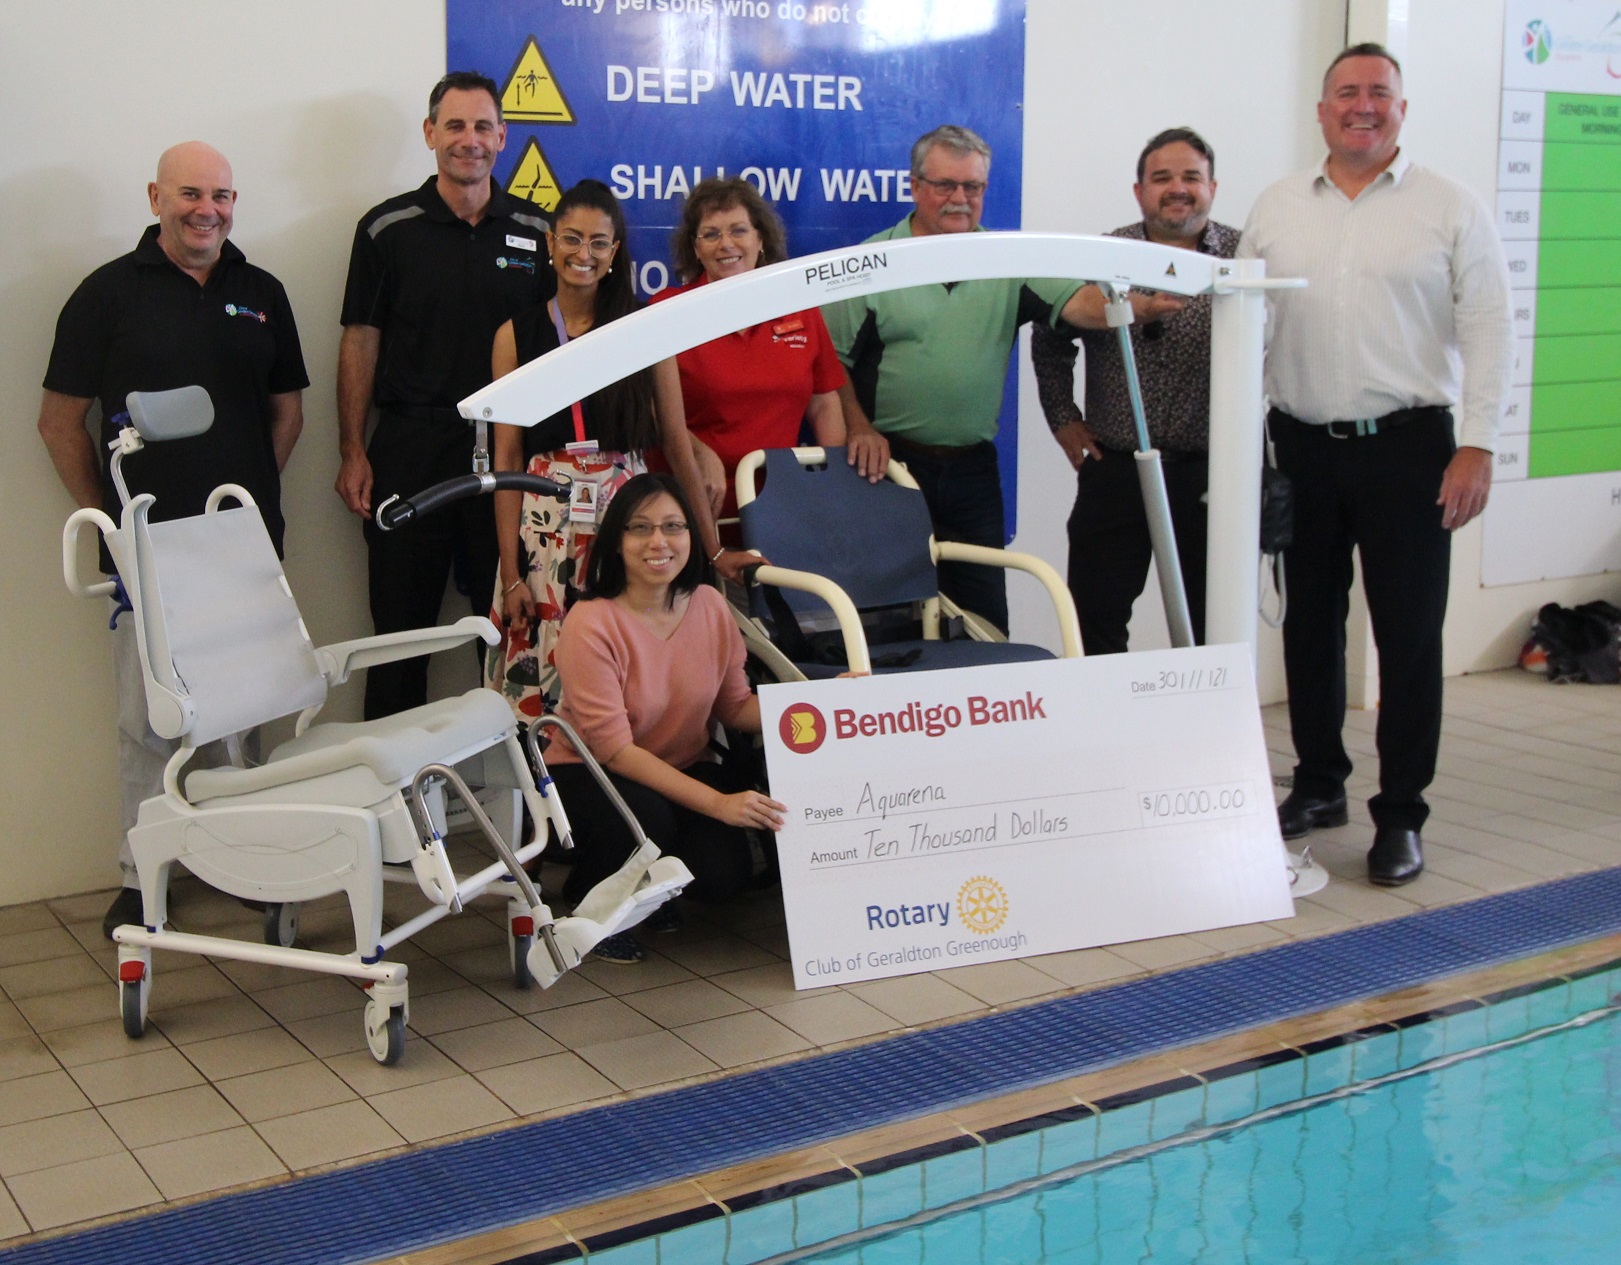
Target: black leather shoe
(1300,814)
(125,909)
(1397,856)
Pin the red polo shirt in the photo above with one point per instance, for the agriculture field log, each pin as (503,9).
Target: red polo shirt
(750,389)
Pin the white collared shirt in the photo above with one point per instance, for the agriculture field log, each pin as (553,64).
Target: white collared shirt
(1407,304)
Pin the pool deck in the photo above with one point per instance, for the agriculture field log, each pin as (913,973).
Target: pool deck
(252,1078)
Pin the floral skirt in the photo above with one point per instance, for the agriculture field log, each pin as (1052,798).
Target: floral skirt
(553,554)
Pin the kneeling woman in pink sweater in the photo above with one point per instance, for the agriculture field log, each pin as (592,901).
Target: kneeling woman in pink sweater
(649,659)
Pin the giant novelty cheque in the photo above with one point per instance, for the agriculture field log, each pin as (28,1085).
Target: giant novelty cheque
(939,819)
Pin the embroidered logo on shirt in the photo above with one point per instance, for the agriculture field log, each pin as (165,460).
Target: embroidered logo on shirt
(232,309)
(502,261)
(791,333)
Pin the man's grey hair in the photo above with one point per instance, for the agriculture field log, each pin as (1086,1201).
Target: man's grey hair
(958,140)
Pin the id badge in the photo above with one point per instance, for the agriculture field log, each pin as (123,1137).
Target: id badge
(583,502)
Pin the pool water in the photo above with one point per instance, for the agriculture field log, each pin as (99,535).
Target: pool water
(1510,1153)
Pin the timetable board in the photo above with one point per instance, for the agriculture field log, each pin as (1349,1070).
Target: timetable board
(1556,509)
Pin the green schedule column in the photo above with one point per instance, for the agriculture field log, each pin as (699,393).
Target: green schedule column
(1576,382)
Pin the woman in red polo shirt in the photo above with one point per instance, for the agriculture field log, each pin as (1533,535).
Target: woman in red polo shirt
(756,387)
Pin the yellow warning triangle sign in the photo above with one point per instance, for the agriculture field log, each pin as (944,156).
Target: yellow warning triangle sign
(532,178)
(532,94)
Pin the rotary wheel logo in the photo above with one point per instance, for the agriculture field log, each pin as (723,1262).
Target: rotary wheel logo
(802,728)
(982,905)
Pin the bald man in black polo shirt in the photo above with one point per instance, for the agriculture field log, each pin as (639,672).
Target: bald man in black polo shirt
(432,275)
(183,308)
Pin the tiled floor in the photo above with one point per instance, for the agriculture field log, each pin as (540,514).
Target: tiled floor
(252,1073)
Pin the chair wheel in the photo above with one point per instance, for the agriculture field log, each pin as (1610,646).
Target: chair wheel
(281,924)
(518,950)
(385,1032)
(132,1000)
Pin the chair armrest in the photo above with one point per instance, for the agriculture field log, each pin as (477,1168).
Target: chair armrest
(1069,626)
(344,657)
(844,610)
(76,583)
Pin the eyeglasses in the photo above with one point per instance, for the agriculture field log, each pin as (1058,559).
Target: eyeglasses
(738,232)
(600,247)
(642,529)
(945,188)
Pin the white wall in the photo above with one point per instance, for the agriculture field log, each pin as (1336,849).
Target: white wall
(1457,43)
(1248,77)
(318,104)
(1100,79)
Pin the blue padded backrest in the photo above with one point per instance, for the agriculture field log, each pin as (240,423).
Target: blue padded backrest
(870,539)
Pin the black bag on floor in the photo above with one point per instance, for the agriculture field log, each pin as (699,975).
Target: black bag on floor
(1583,644)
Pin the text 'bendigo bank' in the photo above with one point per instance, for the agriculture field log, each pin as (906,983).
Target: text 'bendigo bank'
(939,719)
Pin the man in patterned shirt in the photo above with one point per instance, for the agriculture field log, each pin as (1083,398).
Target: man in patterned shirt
(1109,548)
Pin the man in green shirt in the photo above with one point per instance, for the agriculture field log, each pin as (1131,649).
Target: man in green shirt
(927,365)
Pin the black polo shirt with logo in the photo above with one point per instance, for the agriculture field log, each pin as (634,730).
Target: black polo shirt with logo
(141,324)
(438,288)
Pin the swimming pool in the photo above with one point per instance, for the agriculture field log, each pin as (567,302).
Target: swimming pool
(790,1155)
(1482,1134)
(1505,1155)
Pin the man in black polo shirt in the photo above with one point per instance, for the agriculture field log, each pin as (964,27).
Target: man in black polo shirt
(183,308)
(432,275)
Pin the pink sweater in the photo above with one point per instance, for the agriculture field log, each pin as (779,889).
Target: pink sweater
(622,684)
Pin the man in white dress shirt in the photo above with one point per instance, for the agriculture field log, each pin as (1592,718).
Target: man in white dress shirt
(1406,319)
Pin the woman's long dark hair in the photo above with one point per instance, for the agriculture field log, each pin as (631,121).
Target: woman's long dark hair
(606,575)
(623,417)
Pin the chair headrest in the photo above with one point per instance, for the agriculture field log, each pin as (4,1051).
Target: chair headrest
(176,414)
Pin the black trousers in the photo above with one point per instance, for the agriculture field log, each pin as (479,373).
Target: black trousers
(964,494)
(407,568)
(1110,551)
(717,854)
(1375,494)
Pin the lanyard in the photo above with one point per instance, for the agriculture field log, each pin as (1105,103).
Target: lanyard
(562,337)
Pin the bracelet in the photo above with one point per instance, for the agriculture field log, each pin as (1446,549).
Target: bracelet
(512,586)
(718,553)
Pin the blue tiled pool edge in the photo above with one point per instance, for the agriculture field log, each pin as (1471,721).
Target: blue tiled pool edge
(1000,1166)
(461,1189)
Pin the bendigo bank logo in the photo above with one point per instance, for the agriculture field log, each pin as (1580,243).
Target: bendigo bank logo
(802,727)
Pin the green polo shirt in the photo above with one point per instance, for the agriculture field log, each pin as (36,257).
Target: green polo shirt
(928,362)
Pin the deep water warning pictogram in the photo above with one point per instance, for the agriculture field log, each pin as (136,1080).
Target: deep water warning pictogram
(532,93)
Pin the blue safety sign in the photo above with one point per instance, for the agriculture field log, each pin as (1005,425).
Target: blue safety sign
(816,103)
